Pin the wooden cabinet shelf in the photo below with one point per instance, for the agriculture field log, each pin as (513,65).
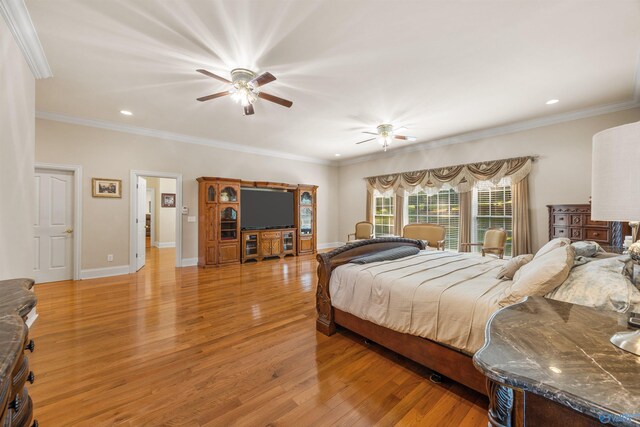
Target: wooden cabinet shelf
(260,244)
(220,239)
(219,221)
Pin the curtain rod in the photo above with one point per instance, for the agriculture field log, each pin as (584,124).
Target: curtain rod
(533,159)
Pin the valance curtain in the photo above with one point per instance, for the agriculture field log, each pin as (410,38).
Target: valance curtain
(461,178)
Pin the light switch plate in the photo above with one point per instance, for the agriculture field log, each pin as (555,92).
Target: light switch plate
(191,219)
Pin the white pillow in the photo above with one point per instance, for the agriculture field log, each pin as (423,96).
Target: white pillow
(542,275)
(601,284)
(510,268)
(551,245)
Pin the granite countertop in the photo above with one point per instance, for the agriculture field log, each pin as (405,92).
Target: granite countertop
(562,352)
(16,301)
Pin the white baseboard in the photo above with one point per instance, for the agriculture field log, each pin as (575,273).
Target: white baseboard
(165,245)
(94,273)
(189,262)
(330,245)
(31,317)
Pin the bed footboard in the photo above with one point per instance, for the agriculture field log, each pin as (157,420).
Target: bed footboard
(328,261)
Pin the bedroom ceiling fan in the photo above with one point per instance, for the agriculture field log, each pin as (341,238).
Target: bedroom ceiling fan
(244,88)
(386,134)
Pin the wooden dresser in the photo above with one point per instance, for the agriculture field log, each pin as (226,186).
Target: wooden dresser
(16,301)
(574,222)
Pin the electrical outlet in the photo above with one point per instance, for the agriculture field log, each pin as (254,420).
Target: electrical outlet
(110,258)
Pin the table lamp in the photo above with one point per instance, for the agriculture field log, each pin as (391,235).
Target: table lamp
(615,192)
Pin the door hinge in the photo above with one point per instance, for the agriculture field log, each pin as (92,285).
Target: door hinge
(137,186)
(136,220)
(136,255)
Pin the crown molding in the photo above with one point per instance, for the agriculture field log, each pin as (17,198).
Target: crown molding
(171,136)
(17,17)
(500,130)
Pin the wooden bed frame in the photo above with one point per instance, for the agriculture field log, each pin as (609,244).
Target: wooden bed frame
(444,360)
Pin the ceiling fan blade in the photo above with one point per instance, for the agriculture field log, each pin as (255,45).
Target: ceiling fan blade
(405,138)
(275,99)
(262,79)
(248,110)
(214,96)
(210,74)
(370,133)
(366,140)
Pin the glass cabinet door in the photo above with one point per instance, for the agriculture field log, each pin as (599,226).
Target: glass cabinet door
(306,221)
(211,193)
(228,224)
(251,245)
(228,194)
(306,198)
(287,241)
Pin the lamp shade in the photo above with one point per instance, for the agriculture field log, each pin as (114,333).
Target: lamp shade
(615,177)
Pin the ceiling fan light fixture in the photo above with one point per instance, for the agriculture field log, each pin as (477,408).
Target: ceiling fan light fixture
(244,88)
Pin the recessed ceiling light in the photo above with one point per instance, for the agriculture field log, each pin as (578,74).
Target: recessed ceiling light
(126,113)
(552,101)
(338,155)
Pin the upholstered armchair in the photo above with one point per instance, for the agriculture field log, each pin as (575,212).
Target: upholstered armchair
(433,234)
(364,230)
(494,242)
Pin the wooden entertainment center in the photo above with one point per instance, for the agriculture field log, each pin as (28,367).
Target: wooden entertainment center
(220,238)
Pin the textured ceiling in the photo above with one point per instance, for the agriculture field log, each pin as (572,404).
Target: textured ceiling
(440,68)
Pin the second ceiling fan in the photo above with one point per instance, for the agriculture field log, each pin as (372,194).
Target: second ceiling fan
(386,134)
(245,84)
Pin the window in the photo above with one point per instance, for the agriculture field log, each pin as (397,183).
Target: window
(441,208)
(492,208)
(383,214)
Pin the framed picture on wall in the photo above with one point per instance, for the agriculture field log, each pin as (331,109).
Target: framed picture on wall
(168,200)
(105,187)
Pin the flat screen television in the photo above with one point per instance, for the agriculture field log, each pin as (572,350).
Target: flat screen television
(263,209)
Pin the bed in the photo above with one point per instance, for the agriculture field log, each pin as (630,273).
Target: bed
(443,334)
(433,306)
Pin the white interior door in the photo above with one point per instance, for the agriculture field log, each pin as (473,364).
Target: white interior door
(53,228)
(141,219)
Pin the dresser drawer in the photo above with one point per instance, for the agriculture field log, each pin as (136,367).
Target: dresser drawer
(560,232)
(21,416)
(589,221)
(560,219)
(576,234)
(597,234)
(270,235)
(577,220)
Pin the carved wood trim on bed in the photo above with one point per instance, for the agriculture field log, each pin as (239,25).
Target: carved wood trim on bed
(447,361)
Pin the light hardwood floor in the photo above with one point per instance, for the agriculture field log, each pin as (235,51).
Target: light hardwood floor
(234,345)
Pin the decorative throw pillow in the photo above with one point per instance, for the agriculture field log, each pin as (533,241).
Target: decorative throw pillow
(551,245)
(586,249)
(542,275)
(601,284)
(513,265)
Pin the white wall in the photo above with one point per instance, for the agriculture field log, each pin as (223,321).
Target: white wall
(17,200)
(111,154)
(166,217)
(561,175)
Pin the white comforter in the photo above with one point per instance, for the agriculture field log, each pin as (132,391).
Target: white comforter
(443,296)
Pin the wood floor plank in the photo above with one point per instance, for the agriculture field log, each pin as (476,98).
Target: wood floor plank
(234,345)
